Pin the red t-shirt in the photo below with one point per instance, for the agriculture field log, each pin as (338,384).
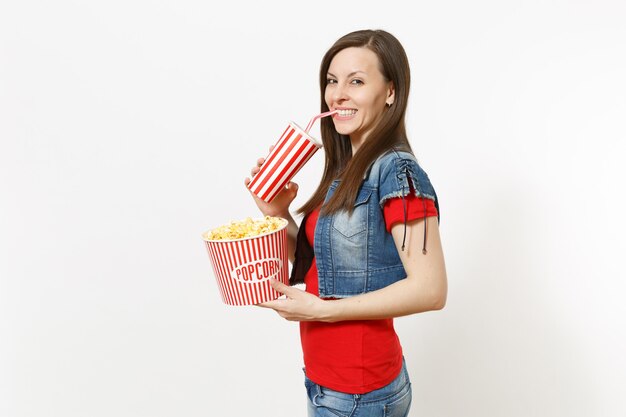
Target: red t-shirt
(355,356)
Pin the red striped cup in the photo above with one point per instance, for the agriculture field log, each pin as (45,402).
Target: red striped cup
(294,148)
(243,267)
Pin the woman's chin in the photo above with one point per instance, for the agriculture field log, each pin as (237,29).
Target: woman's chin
(343,130)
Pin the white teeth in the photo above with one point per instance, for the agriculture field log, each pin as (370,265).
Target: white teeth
(346,112)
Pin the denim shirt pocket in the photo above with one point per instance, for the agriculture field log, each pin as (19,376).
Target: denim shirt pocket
(350,225)
(349,244)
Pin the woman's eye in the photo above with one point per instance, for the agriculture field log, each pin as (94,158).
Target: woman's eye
(358,82)
(331,81)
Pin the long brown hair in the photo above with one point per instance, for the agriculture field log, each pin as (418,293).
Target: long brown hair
(390,132)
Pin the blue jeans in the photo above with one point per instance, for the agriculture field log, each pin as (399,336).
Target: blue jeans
(392,400)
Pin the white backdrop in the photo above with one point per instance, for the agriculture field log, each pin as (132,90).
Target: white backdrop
(127,128)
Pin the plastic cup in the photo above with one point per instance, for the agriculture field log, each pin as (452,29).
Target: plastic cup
(292,151)
(243,267)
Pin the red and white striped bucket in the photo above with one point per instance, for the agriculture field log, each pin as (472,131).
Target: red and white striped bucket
(243,267)
(294,148)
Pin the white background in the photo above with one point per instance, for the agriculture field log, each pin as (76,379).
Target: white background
(127,128)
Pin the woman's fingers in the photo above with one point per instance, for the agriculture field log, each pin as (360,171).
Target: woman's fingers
(255,170)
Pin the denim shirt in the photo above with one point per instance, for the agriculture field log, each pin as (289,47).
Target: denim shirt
(354,252)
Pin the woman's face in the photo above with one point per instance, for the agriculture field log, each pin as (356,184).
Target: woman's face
(356,87)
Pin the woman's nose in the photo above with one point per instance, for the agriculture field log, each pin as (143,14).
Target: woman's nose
(339,93)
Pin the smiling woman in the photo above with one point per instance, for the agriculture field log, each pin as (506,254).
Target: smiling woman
(368,248)
(359,91)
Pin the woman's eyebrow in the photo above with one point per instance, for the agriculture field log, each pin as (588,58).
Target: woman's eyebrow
(349,75)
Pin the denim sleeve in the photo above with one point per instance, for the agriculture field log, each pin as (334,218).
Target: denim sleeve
(401,175)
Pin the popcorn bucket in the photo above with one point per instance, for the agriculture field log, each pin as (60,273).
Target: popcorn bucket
(294,148)
(243,267)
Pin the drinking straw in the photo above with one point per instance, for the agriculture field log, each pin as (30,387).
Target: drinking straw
(328,113)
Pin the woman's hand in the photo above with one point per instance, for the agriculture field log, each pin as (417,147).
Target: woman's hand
(279,207)
(299,305)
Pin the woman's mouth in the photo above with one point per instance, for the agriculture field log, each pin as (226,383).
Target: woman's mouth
(345,113)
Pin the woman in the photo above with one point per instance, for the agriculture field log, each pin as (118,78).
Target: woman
(368,248)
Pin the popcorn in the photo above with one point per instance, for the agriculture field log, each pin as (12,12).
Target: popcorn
(246,255)
(245,228)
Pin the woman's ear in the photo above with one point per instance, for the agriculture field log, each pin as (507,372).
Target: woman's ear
(391,94)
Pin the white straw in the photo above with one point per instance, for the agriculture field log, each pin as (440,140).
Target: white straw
(319,116)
